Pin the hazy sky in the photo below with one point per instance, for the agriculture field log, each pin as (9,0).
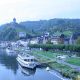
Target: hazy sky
(38,9)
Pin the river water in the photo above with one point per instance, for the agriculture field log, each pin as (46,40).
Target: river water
(11,70)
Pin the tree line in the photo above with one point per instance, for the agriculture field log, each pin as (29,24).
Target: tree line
(47,47)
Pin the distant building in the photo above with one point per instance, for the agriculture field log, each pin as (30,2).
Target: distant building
(71,41)
(61,39)
(22,43)
(55,39)
(45,40)
(40,39)
(14,20)
(22,34)
(66,41)
(34,41)
(46,34)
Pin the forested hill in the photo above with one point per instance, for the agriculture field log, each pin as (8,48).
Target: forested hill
(9,31)
(54,25)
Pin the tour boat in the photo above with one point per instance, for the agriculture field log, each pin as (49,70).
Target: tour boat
(27,61)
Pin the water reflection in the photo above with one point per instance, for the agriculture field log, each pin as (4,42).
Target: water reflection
(26,71)
(8,61)
(12,71)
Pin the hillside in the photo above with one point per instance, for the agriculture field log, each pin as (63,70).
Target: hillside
(10,31)
(66,26)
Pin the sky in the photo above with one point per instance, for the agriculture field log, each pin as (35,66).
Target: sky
(31,10)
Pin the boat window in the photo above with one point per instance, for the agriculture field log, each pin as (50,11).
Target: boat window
(25,59)
(32,60)
(28,60)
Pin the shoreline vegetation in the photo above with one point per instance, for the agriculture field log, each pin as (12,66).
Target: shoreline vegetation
(49,53)
(74,61)
(72,48)
(65,70)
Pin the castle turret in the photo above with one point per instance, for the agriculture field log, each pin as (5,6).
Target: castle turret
(14,20)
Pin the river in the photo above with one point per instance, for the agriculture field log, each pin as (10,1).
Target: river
(11,70)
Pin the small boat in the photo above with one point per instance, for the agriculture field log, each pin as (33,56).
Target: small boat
(48,69)
(10,51)
(27,61)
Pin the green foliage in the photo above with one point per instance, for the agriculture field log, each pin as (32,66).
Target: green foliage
(11,31)
(9,34)
(78,40)
(65,70)
(57,26)
(37,28)
(59,47)
(74,61)
(67,33)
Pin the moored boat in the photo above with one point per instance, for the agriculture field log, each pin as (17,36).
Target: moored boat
(27,61)
(10,51)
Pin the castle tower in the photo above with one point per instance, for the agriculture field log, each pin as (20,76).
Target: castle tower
(14,20)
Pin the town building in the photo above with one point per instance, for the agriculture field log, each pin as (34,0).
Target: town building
(22,34)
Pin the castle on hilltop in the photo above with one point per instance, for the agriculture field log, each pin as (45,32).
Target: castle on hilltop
(14,20)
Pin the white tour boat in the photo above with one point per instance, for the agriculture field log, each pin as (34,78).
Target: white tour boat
(27,61)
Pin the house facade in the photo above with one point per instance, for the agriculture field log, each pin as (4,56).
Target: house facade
(22,34)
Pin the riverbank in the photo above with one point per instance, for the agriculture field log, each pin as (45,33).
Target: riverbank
(9,66)
(65,70)
(52,58)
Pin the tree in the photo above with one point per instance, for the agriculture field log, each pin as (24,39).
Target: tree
(78,40)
